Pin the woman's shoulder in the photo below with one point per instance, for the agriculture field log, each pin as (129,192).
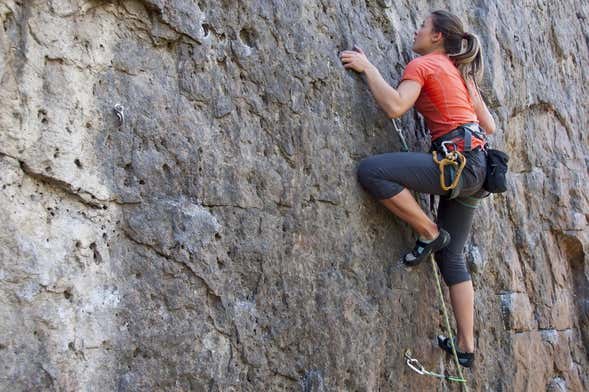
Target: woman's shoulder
(424,66)
(430,59)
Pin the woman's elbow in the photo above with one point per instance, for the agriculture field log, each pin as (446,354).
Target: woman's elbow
(490,129)
(394,112)
(488,125)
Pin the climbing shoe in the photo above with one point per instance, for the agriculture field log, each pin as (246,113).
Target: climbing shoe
(423,249)
(465,359)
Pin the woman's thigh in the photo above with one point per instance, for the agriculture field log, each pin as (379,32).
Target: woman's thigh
(413,170)
(474,173)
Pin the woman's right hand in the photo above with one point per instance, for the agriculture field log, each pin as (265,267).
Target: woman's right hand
(355,59)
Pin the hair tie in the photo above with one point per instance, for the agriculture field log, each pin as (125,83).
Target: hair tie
(465,35)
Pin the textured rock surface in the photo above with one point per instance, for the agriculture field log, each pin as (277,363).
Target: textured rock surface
(217,239)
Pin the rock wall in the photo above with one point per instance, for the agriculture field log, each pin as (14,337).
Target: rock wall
(213,236)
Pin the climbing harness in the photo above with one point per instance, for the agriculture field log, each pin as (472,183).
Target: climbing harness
(464,132)
(453,161)
(409,360)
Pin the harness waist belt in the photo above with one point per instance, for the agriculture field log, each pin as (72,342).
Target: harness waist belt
(464,132)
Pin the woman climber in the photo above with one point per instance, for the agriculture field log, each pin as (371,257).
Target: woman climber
(442,84)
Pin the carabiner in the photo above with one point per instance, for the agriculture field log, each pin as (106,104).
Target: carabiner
(419,370)
(446,152)
(119,110)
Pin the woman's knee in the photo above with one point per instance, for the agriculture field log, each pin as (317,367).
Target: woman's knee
(375,178)
(366,172)
(452,266)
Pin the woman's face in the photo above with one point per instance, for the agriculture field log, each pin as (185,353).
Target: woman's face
(424,39)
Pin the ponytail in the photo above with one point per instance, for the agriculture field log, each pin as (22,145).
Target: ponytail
(468,61)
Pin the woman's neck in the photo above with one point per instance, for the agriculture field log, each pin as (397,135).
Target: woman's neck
(436,51)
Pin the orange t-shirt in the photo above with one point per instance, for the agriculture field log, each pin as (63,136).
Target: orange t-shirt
(444,100)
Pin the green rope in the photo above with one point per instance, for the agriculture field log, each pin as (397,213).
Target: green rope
(446,319)
(415,365)
(410,360)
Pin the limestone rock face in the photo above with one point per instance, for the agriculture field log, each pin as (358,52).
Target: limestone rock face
(212,236)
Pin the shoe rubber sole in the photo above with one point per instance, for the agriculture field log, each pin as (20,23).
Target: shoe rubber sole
(465,359)
(421,251)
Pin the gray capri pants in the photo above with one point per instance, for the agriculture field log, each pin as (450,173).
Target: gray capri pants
(385,175)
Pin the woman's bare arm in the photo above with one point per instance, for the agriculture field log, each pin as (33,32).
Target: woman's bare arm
(394,102)
(485,118)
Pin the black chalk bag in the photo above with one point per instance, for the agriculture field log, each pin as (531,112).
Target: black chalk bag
(496,180)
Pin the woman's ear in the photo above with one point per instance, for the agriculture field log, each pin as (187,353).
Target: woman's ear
(437,37)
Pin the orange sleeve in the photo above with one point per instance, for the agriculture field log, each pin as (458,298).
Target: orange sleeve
(415,70)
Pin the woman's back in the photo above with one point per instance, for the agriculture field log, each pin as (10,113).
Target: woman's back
(444,101)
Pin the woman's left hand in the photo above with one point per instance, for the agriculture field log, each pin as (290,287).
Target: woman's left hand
(355,59)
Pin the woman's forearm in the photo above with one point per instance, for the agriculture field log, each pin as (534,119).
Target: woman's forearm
(488,122)
(484,116)
(386,97)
